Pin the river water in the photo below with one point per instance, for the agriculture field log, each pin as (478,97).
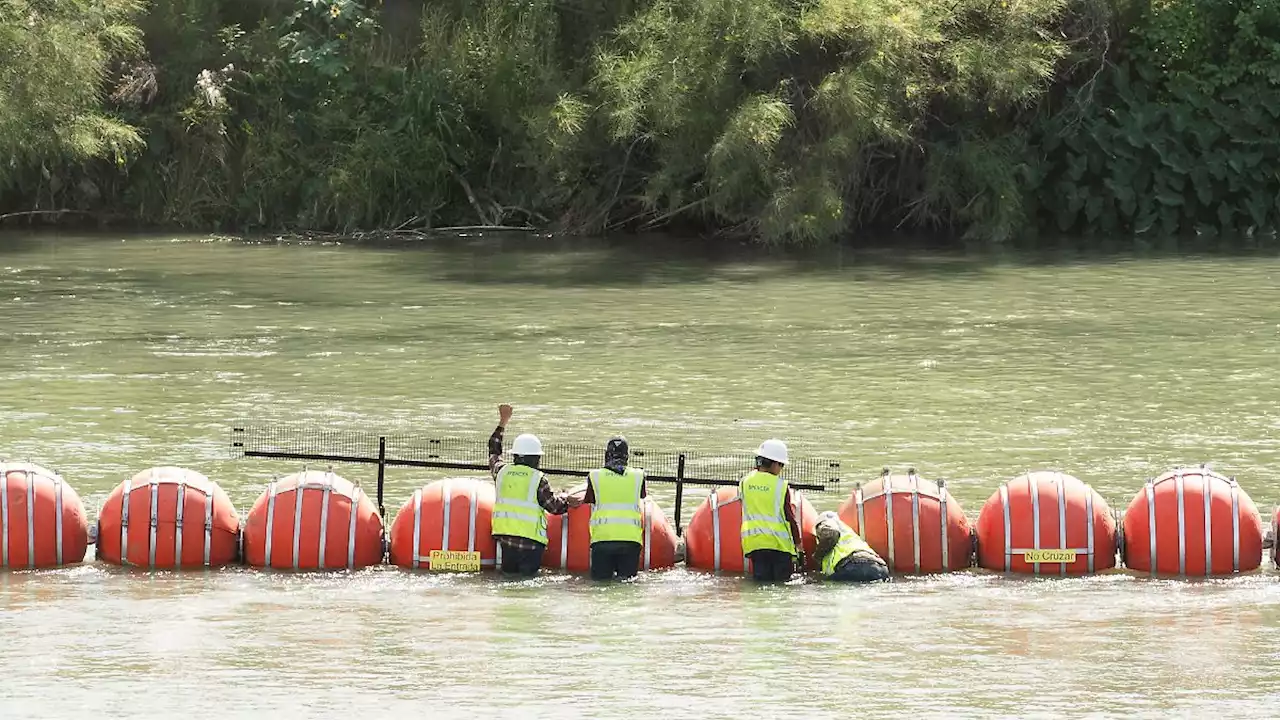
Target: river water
(119,354)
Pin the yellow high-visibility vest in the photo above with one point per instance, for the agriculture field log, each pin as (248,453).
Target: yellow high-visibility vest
(616,514)
(764,520)
(849,543)
(516,510)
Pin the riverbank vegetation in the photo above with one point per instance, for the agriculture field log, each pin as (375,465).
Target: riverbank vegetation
(786,121)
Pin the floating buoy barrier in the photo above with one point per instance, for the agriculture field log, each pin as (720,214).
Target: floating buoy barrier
(446,517)
(1192,522)
(1186,522)
(913,523)
(42,521)
(1046,523)
(713,539)
(569,543)
(168,517)
(313,521)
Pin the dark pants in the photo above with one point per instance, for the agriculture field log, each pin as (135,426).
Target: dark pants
(610,557)
(521,562)
(860,568)
(771,565)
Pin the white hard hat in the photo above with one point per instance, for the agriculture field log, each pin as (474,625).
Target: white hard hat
(773,449)
(828,515)
(526,444)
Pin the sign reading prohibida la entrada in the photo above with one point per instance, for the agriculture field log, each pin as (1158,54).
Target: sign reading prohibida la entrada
(454,561)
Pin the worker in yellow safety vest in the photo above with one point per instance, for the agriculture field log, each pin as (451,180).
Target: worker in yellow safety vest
(770,533)
(523,494)
(844,555)
(616,494)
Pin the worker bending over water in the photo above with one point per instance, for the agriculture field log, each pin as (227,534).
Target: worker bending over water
(615,493)
(519,523)
(844,555)
(770,533)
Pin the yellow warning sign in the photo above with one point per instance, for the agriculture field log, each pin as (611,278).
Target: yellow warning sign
(1049,556)
(455,561)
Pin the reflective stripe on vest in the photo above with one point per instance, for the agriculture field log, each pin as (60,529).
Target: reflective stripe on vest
(764,521)
(616,514)
(848,544)
(516,510)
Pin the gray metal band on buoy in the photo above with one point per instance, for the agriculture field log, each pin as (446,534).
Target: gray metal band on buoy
(1235,526)
(4,515)
(1035,519)
(57,519)
(124,521)
(1151,522)
(915,519)
(417,526)
(181,499)
(1008,536)
(154,519)
(324,524)
(271,517)
(351,528)
(946,529)
(1062,518)
(1208,524)
(714,497)
(1088,508)
(31,522)
(297,517)
(1179,483)
(862,519)
(888,514)
(208,525)
(447,506)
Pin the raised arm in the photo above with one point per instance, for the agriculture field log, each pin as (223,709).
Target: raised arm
(495,440)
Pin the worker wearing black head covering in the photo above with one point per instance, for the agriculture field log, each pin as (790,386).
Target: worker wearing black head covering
(616,494)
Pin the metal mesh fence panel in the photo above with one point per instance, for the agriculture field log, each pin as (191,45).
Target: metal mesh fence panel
(422,449)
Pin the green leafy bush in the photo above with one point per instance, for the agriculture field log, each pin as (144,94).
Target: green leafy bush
(1181,135)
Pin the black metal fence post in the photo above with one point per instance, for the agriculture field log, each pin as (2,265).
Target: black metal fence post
(382,473)
(679,493)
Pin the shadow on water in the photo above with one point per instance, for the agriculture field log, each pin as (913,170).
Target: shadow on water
(530,259)
(658,259)
(621,261)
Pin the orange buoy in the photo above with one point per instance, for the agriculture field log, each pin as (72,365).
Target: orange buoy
(1046,523)
(168,517)
(313,521)
(713,539)
(914,524)
(1202,524)
(569,544)
(42,521)
(453,514)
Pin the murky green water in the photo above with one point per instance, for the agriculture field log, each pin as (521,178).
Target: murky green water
(118,355)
